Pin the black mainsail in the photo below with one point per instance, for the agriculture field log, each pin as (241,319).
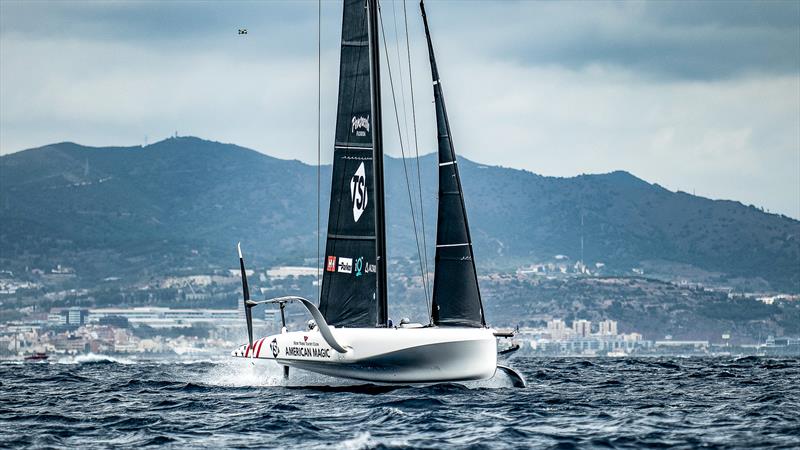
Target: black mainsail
(354,280)
(456,296)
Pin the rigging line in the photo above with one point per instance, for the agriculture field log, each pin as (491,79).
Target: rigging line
(408,141)
(319,145)
(400,72)
(402,150)
(419,172)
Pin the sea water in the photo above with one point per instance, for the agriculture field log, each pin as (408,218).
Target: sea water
(569,402)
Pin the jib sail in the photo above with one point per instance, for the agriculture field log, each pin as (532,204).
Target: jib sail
(351,292)
(456,296)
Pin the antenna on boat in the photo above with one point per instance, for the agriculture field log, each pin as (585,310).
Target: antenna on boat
(248,313)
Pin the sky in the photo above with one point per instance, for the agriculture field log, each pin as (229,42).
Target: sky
(702,97)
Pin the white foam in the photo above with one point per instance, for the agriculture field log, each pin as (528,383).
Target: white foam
(240,372)
(359,441)
(364,439)
(94,358)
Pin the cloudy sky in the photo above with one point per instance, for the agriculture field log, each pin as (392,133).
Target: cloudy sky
(701,96)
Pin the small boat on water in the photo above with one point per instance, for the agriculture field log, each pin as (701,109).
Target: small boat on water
(351,335)
(37,357)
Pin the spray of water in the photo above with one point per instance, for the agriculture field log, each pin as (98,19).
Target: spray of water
(239,372)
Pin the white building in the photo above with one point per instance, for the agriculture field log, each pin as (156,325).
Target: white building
(67,316)
(168,318)
(608,328)
(56,319)
(582,328)
(282,272)
(557,329)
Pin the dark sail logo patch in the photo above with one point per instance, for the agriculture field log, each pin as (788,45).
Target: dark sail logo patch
(359,125)
(331,267)
(358,192)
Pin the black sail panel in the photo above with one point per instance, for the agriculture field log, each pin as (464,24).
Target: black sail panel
(349,280)
(456,295)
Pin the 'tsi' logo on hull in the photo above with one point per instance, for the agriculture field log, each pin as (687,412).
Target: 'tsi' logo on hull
(274,347)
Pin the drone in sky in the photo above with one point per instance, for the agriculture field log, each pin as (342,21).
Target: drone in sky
(242,30)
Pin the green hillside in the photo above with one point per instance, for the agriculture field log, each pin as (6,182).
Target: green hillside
(184,202)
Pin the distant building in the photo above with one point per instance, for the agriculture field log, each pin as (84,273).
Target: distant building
(238,272)
(632,337)
(168,318)
(282,272)
(76,316)
(557,329)
(70,344)
(62,270)
(67,316)
(56,318)
(608,328)
(678,344)
(582,328)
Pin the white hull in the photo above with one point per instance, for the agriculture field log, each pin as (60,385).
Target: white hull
(385,355)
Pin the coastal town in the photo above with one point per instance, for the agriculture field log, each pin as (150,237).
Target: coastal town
(556,308)
(158,333)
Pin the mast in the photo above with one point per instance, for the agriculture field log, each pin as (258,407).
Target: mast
(456,294)
(377,161)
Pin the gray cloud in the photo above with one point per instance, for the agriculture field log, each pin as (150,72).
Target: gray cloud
(701,95)
(696,40)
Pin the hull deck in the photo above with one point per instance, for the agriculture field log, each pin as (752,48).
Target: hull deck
(385,355)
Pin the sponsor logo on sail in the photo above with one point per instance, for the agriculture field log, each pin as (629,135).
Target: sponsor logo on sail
(331,266)
(274,347)
(358,192)
(362,266)
(360,125)
(346,265)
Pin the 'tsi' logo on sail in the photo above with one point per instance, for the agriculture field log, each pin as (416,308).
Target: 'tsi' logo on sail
(358,192)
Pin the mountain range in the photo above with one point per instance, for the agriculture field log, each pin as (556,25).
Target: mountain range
(184,202)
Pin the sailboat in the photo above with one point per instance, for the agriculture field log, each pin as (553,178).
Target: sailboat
(350,335)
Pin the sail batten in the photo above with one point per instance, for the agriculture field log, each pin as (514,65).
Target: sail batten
(456,294)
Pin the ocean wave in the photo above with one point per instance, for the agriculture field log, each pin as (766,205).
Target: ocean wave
(92,358)
(103,402)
